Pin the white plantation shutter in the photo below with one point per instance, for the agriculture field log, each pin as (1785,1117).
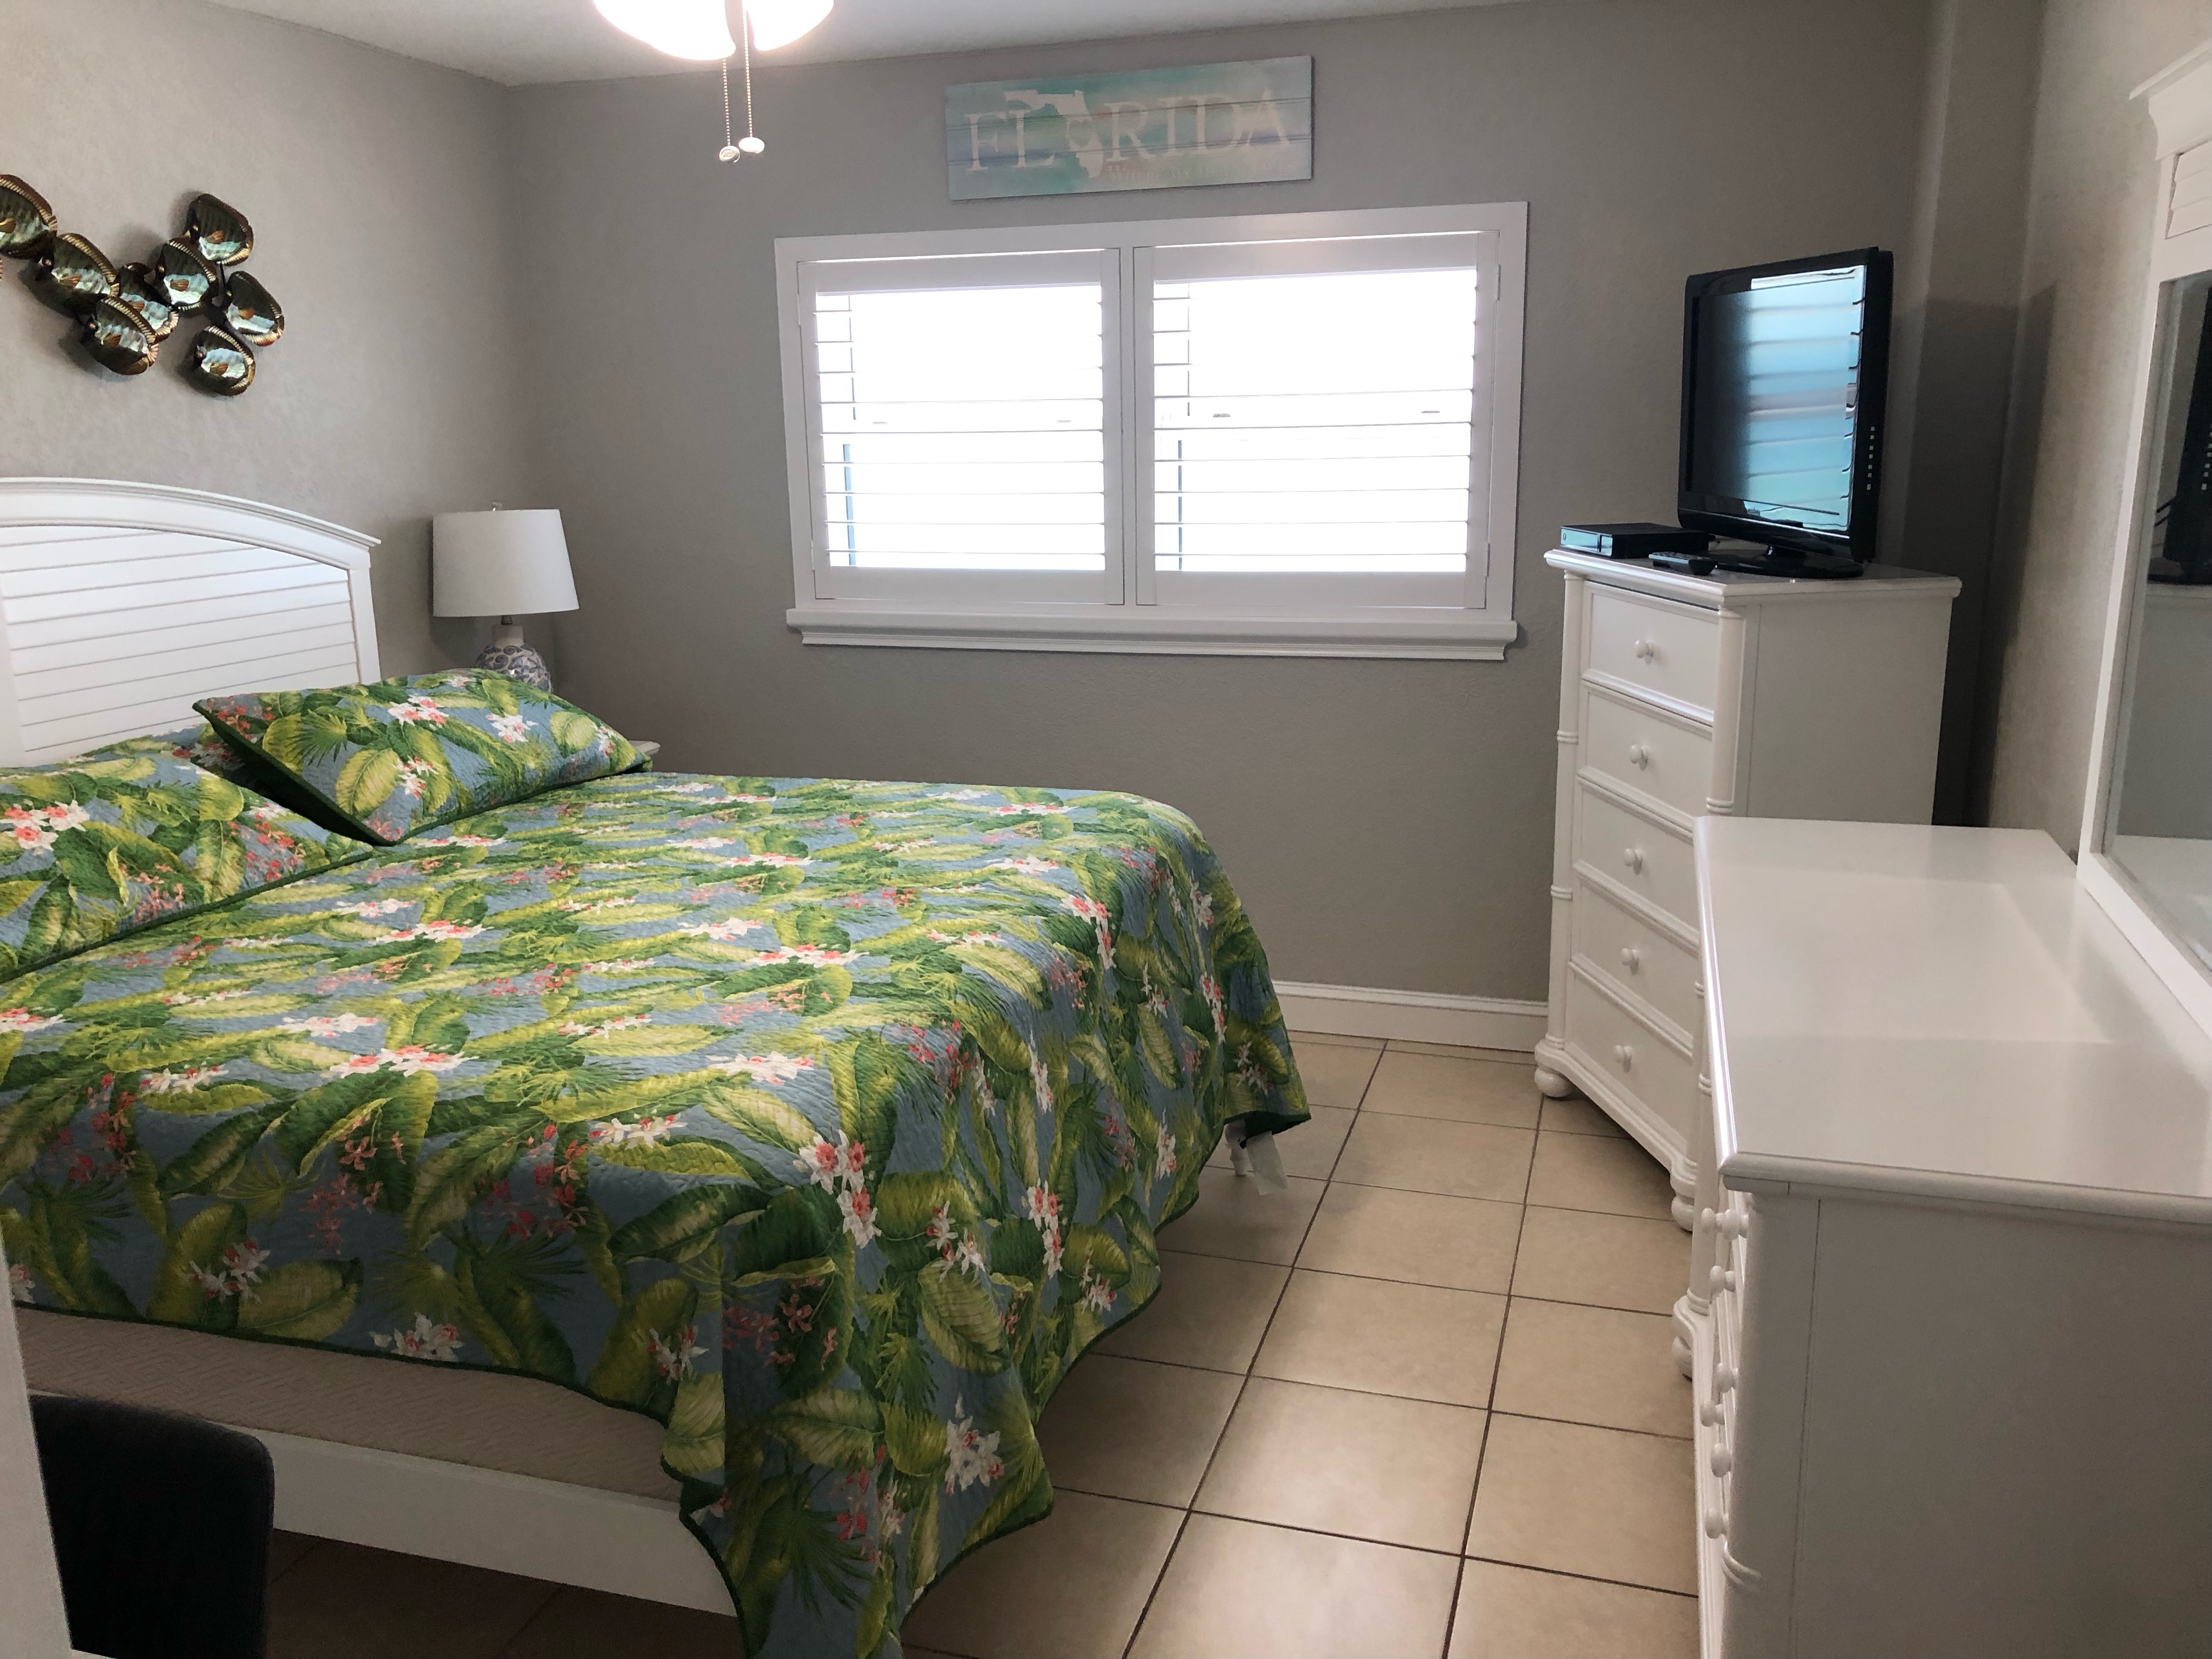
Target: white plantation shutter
(1315,421)
(963,425)
(1292,433)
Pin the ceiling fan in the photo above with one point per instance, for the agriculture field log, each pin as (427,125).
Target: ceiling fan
(699,30)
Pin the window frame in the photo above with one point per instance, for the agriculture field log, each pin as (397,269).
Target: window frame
(956,610)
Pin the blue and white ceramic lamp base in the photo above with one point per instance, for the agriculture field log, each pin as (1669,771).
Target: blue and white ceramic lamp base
(508,655)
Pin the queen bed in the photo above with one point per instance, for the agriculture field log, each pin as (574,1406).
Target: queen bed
(655,1153)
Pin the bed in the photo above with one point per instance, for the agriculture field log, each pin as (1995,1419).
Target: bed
(743,1156)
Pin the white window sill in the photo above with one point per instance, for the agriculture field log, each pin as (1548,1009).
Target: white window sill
(1146,630)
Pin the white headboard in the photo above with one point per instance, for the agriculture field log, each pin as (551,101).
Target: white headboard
(122,604)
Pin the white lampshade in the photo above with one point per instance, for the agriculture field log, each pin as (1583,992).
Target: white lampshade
(500,564)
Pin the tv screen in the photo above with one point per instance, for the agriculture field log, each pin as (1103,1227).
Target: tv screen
(1783,372)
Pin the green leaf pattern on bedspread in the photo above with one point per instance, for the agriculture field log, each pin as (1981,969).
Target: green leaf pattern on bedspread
(396,756)
(121,838)
(825,1122)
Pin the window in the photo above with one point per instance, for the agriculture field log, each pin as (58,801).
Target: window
(1284,435)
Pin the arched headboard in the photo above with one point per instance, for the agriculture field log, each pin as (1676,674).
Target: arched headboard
(122,604)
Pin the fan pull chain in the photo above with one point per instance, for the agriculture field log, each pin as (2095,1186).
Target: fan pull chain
(750,144)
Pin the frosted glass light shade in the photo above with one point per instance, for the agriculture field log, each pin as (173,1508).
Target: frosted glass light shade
(500,564)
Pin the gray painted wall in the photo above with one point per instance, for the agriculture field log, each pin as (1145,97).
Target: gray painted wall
(1957,315)
(2091,195)
(378,195)
(1387,823)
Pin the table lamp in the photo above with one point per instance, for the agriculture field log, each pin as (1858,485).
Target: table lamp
(504,565)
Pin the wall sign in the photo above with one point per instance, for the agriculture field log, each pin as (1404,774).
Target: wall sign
(1211,124)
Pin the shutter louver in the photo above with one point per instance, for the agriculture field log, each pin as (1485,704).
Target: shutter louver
(962,428)
(1315,423)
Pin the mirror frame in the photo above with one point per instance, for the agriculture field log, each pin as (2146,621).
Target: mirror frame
(2181,98)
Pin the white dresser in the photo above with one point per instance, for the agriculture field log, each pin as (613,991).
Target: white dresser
(1681,696)
(1951,1311)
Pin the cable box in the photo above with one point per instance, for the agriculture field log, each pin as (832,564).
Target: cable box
(1631,541)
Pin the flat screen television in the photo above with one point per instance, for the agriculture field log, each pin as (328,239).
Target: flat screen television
(1784,370)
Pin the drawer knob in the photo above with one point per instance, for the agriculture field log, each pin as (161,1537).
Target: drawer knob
(1721,1278)
(1709,1414)
(1638,754)
(1625,1055)
(1631,957)
(1715,1523)
(1724,1380)
(1633,858)
(1734,1224)
(1644,650)
(1721,1461)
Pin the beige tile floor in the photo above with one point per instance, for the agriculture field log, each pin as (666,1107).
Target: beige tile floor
(1422,1403)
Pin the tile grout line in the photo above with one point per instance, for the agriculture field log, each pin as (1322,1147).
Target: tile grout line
(1490,1403)
(1585,1577)
(515,1635)
(1327,1181)
(1168,1560)
(278,1579)
(1244,1386)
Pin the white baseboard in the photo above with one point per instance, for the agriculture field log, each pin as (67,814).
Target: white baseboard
(517,1523)
(1414,1016)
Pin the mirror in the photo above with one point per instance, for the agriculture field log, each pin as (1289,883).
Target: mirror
(2159,828)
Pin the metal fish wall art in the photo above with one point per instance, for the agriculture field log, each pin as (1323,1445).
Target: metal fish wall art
(124,312)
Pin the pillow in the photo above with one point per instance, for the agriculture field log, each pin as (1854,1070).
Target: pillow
(402,754)
(198,744)
(111,841)
(203,748)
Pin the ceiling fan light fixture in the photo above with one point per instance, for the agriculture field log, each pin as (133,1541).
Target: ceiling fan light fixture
(779,22)
(694,29)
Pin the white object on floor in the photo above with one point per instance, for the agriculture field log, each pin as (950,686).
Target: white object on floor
(1257,1156)
(1681,696)
(34,1623)
(1950,1316)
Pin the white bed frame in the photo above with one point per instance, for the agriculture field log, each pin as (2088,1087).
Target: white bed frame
(120,605)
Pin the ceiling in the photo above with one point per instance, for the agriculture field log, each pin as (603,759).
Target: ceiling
(521,42)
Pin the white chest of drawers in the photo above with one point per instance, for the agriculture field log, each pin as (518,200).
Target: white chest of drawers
(1681,696)
(1950,1310)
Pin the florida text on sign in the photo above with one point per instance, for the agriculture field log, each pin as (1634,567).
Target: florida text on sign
(1210,124)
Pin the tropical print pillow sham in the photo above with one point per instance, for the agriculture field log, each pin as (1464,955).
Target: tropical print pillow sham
(123,837)
(399,755)
(827,1123)
(203,747)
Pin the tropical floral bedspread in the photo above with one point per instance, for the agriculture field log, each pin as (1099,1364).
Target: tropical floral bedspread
(825,1122)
